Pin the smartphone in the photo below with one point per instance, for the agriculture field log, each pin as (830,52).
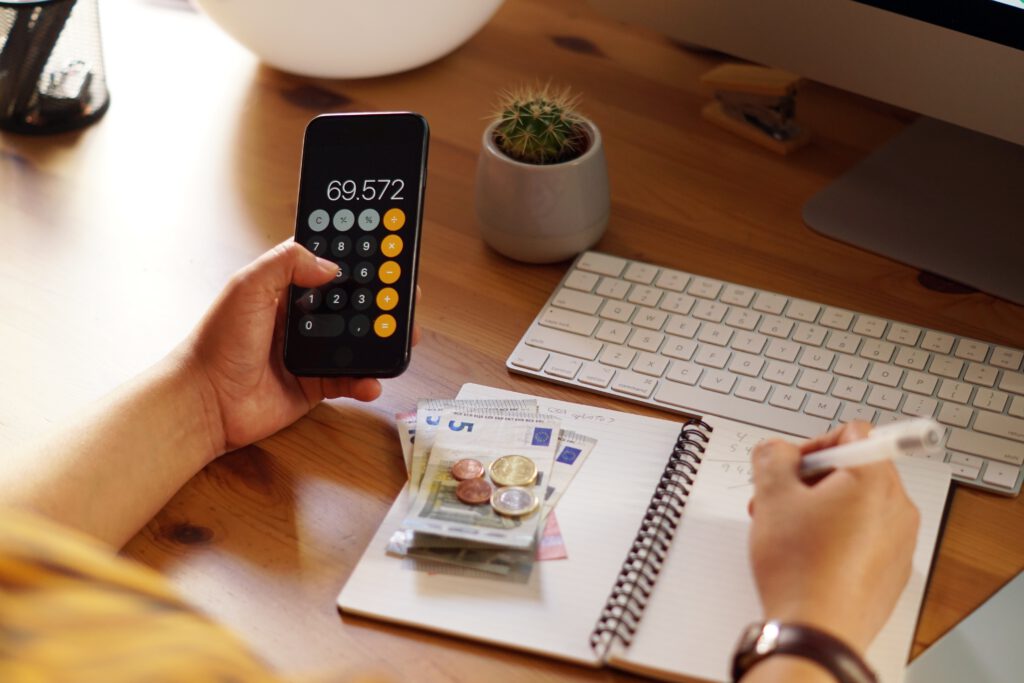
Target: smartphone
(361,188)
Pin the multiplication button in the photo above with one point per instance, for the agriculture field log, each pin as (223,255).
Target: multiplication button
(391,246)
(318,220)
(369,219)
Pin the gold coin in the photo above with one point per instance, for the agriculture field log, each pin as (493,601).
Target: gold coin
(514,501)
(513,470)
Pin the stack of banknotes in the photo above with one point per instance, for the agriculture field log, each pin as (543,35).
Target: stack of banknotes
(441,527)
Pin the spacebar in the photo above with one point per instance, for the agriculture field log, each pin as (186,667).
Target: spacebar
(702,402)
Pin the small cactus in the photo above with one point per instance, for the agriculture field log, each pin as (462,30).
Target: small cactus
(539,125)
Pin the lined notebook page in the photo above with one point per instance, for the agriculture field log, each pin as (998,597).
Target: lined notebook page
(555,612)
(705,594)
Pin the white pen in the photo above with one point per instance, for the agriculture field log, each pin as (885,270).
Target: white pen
(883,443)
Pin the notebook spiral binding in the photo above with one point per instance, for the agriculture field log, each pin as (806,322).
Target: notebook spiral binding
(633,585)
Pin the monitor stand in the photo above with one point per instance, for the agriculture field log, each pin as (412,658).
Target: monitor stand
(937,197)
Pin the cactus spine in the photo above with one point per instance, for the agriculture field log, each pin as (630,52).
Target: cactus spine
(538,125)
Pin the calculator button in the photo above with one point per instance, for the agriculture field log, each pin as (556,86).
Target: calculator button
(389,272)
(359,326)
(394,219)
(318,220)
(321,325)
(361,299)
(366,245)
(384,325)
(343,273)
(391,246)
(369,219)
(336,299)
(317,245)
(309,300)
(387,299)
(344,219)
(341,246)
(363,273)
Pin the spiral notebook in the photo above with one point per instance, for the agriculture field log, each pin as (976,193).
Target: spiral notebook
(657,579)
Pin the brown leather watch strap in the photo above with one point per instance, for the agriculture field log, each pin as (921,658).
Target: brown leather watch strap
(761,640)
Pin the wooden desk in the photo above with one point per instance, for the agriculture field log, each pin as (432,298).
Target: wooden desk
(115,239)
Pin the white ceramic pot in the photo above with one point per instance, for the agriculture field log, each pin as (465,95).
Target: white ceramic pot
(350,38)
(542,213)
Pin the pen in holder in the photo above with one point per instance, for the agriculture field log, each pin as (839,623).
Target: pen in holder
(51,65)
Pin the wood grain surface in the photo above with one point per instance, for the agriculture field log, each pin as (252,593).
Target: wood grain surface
(113,240)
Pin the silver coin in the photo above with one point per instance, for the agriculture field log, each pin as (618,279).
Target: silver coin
(514,501)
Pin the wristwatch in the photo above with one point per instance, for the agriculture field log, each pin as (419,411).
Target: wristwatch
(764,639)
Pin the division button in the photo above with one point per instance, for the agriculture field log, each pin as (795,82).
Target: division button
(318,220)
(359,326)
(391,246)
(384,325)
(344,220)
(369,219)
(394,219)
(387,299)
(389,272)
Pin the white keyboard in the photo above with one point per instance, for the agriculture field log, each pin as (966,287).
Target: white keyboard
(693,345)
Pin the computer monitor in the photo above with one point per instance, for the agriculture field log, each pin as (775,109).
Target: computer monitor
(947,194)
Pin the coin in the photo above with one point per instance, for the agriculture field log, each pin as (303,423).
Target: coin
(514,501)
(467,468)
(513,470)
(473,491)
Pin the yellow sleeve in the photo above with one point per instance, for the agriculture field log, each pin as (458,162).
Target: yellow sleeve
(71,610)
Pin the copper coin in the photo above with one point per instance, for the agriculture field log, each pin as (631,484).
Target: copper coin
(473,491)
(467,468)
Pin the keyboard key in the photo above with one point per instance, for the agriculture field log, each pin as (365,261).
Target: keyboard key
(849,366)
(964,459)
(581,280)
(937,342)
(633,384)
(787,398)
(719,335)
(869,327)
(836,319)
(780,373)
(955,415)
(650,319)
(877,351)
(677,347)
(562,342)
(1012,382)
(920,406)
(976,373)
(968,349)
(560,366)
(955,391)
(812,335)
(998,425)
(681,326)
(713,357)
(822,406)
(743,318)
(640,272)
(885,398)
(646,340)
(601,264)
(986,399)
(677,303)
(746,364)
(612,288)
(596,375)
(775,326)
(765,302)
(704,288)
(577,323)
(817,359)
(527,358)
(752,390)
(618,356)
(843,342)
(1000,474)
(850,389)
(782,350)
(812,380)
(577,301)
(710,310)
(644,296)
(803,310)
(615,310)
(965,471)
(737,296)
(717,381)
(684,373)
(1011,452)
(1017,406)
(749,343)
(650,364)
(914,359)
(886,417)
(903,334)
(701,401)
(672,280)
(920,383)
(946,367)
(1009,359)
(614,333)
(885,375)
(852,412)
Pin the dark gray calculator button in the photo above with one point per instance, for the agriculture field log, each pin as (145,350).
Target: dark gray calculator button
(341,246)
(362,298)
(344,220)
(363,273)
(309,300)
(366,245)
(359,326)
(369,219)
(343,274)
(336,299)
(317,245)
(318,220)
(321,325)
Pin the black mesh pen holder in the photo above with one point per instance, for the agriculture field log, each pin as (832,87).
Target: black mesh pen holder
(51,65)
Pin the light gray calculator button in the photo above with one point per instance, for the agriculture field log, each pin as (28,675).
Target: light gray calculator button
(344,219)
(369,219)
(318,220)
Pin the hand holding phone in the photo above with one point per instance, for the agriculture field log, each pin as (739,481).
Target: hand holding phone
(360,205)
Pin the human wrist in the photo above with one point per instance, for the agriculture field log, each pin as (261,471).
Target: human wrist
(200,405)
(763,642)
(833,618)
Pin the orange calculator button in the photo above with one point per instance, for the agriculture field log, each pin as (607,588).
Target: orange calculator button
(389,272)
(394,219)
(384,325)
(391,246)
(387,299)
